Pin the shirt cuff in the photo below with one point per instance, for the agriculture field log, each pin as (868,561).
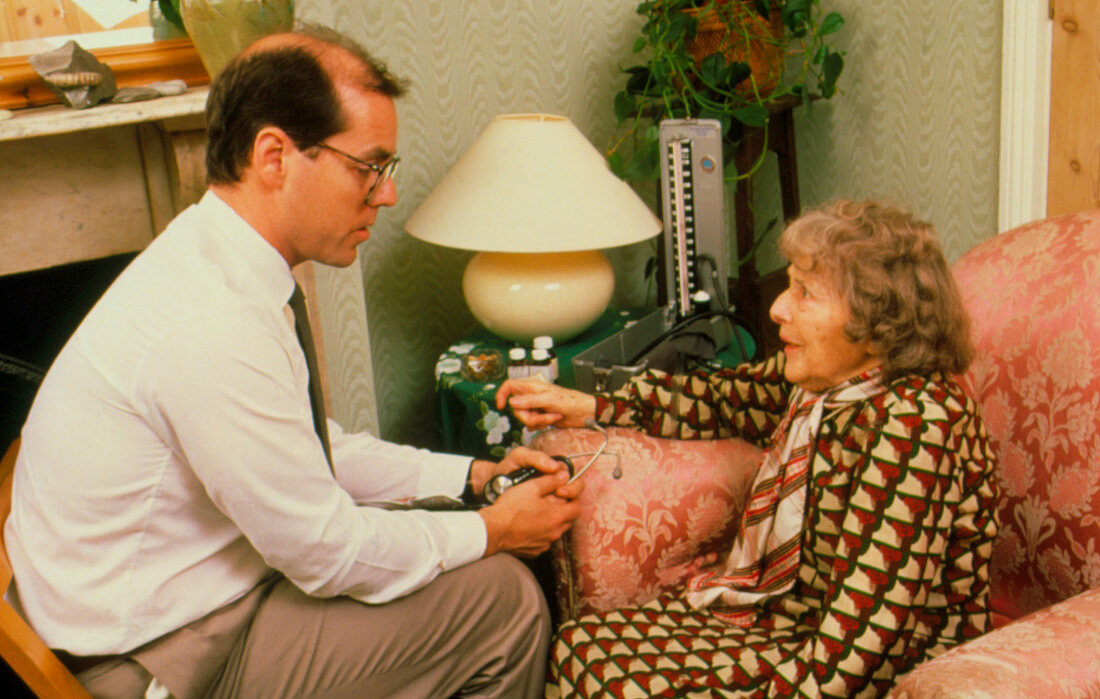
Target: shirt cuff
(468,537)
(443,474)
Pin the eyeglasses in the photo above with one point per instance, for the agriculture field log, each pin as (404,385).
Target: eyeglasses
(383,172)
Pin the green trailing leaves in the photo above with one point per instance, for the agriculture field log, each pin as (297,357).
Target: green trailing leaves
(615,162)
(751,115)
(739,70)
(638,81)
(644,164)
(171,11)
(832,23)
(670,82)
(832,67)
(714,71)
(625,105)
(797,16)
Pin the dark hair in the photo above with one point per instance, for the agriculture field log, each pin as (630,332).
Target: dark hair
(890,270)
(291,85)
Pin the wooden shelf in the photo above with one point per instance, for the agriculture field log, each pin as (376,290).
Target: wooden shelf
(186,109)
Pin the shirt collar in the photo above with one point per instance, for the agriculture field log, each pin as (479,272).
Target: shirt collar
(257,262)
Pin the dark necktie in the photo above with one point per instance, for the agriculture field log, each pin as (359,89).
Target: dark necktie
(316,396)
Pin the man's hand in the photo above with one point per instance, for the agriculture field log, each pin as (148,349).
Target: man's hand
(537,403)
(529,517)
(481,471)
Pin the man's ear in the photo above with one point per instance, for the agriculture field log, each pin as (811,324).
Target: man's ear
(270,154)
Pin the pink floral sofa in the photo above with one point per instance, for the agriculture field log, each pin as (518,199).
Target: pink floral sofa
(675,504)
(1034,297)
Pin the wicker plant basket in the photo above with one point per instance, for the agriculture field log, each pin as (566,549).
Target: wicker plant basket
(737,31)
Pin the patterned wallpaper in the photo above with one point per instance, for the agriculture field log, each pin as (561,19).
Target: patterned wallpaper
(917,123)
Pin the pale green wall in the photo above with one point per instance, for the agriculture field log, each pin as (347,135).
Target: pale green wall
(917,122)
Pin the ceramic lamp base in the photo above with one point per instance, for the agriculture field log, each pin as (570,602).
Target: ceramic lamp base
(520,296)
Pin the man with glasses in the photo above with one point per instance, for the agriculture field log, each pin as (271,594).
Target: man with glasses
(186,521)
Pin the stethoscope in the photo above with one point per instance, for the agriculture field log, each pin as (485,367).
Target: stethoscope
(502,482)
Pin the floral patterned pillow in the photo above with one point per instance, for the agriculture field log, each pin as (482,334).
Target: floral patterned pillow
(675,506)
(1034,299)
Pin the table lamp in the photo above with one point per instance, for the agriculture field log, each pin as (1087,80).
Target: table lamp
(537,201)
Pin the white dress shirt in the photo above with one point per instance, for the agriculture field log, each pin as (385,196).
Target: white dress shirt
(169,462)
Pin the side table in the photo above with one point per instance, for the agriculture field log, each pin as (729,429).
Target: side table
(468,420)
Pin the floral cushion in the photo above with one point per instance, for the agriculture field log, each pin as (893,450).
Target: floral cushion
(1054,652)
(675,507)
(1034,298)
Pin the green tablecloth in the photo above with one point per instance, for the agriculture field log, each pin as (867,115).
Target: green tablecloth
(468,419)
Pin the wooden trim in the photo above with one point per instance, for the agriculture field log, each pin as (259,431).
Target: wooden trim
(1025,104)
(137,65)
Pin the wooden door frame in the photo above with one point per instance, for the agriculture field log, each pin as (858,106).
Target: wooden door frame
(1025,112)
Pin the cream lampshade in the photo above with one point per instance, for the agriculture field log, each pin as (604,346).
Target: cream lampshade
(537,201)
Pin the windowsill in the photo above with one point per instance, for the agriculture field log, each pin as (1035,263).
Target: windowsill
(57,119)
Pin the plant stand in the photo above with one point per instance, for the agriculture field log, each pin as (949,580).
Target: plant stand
(752,293)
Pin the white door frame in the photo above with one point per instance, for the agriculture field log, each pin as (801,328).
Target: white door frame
(1025,112)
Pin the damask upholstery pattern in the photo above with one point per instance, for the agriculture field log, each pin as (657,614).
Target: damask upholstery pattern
(674,508)
(1054,652)
(1034,299)
(1032,294)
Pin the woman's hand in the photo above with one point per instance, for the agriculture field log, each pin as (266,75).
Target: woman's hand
(537,403)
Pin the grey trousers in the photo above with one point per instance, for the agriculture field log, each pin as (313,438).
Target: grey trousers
(482,630)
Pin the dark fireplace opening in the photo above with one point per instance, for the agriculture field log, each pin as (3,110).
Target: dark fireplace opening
(39,311)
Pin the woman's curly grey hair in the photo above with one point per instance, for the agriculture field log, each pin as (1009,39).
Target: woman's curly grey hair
(891,271)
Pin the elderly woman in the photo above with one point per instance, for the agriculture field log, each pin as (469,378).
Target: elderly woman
(864,548)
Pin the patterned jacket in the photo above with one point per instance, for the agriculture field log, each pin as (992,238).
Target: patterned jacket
(899,521)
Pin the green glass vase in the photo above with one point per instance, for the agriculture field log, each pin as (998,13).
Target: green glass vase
(220,29)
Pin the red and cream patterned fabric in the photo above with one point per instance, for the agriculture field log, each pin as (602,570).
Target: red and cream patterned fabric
(895,548)
(895,551)
(675,506)
(767,549)
(678,503)
(1034,299)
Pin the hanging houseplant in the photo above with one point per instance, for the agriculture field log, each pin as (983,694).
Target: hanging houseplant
(728,60)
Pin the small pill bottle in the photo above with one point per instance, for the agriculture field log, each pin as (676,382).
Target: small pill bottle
(540,364)
(518,367)
(547,343)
